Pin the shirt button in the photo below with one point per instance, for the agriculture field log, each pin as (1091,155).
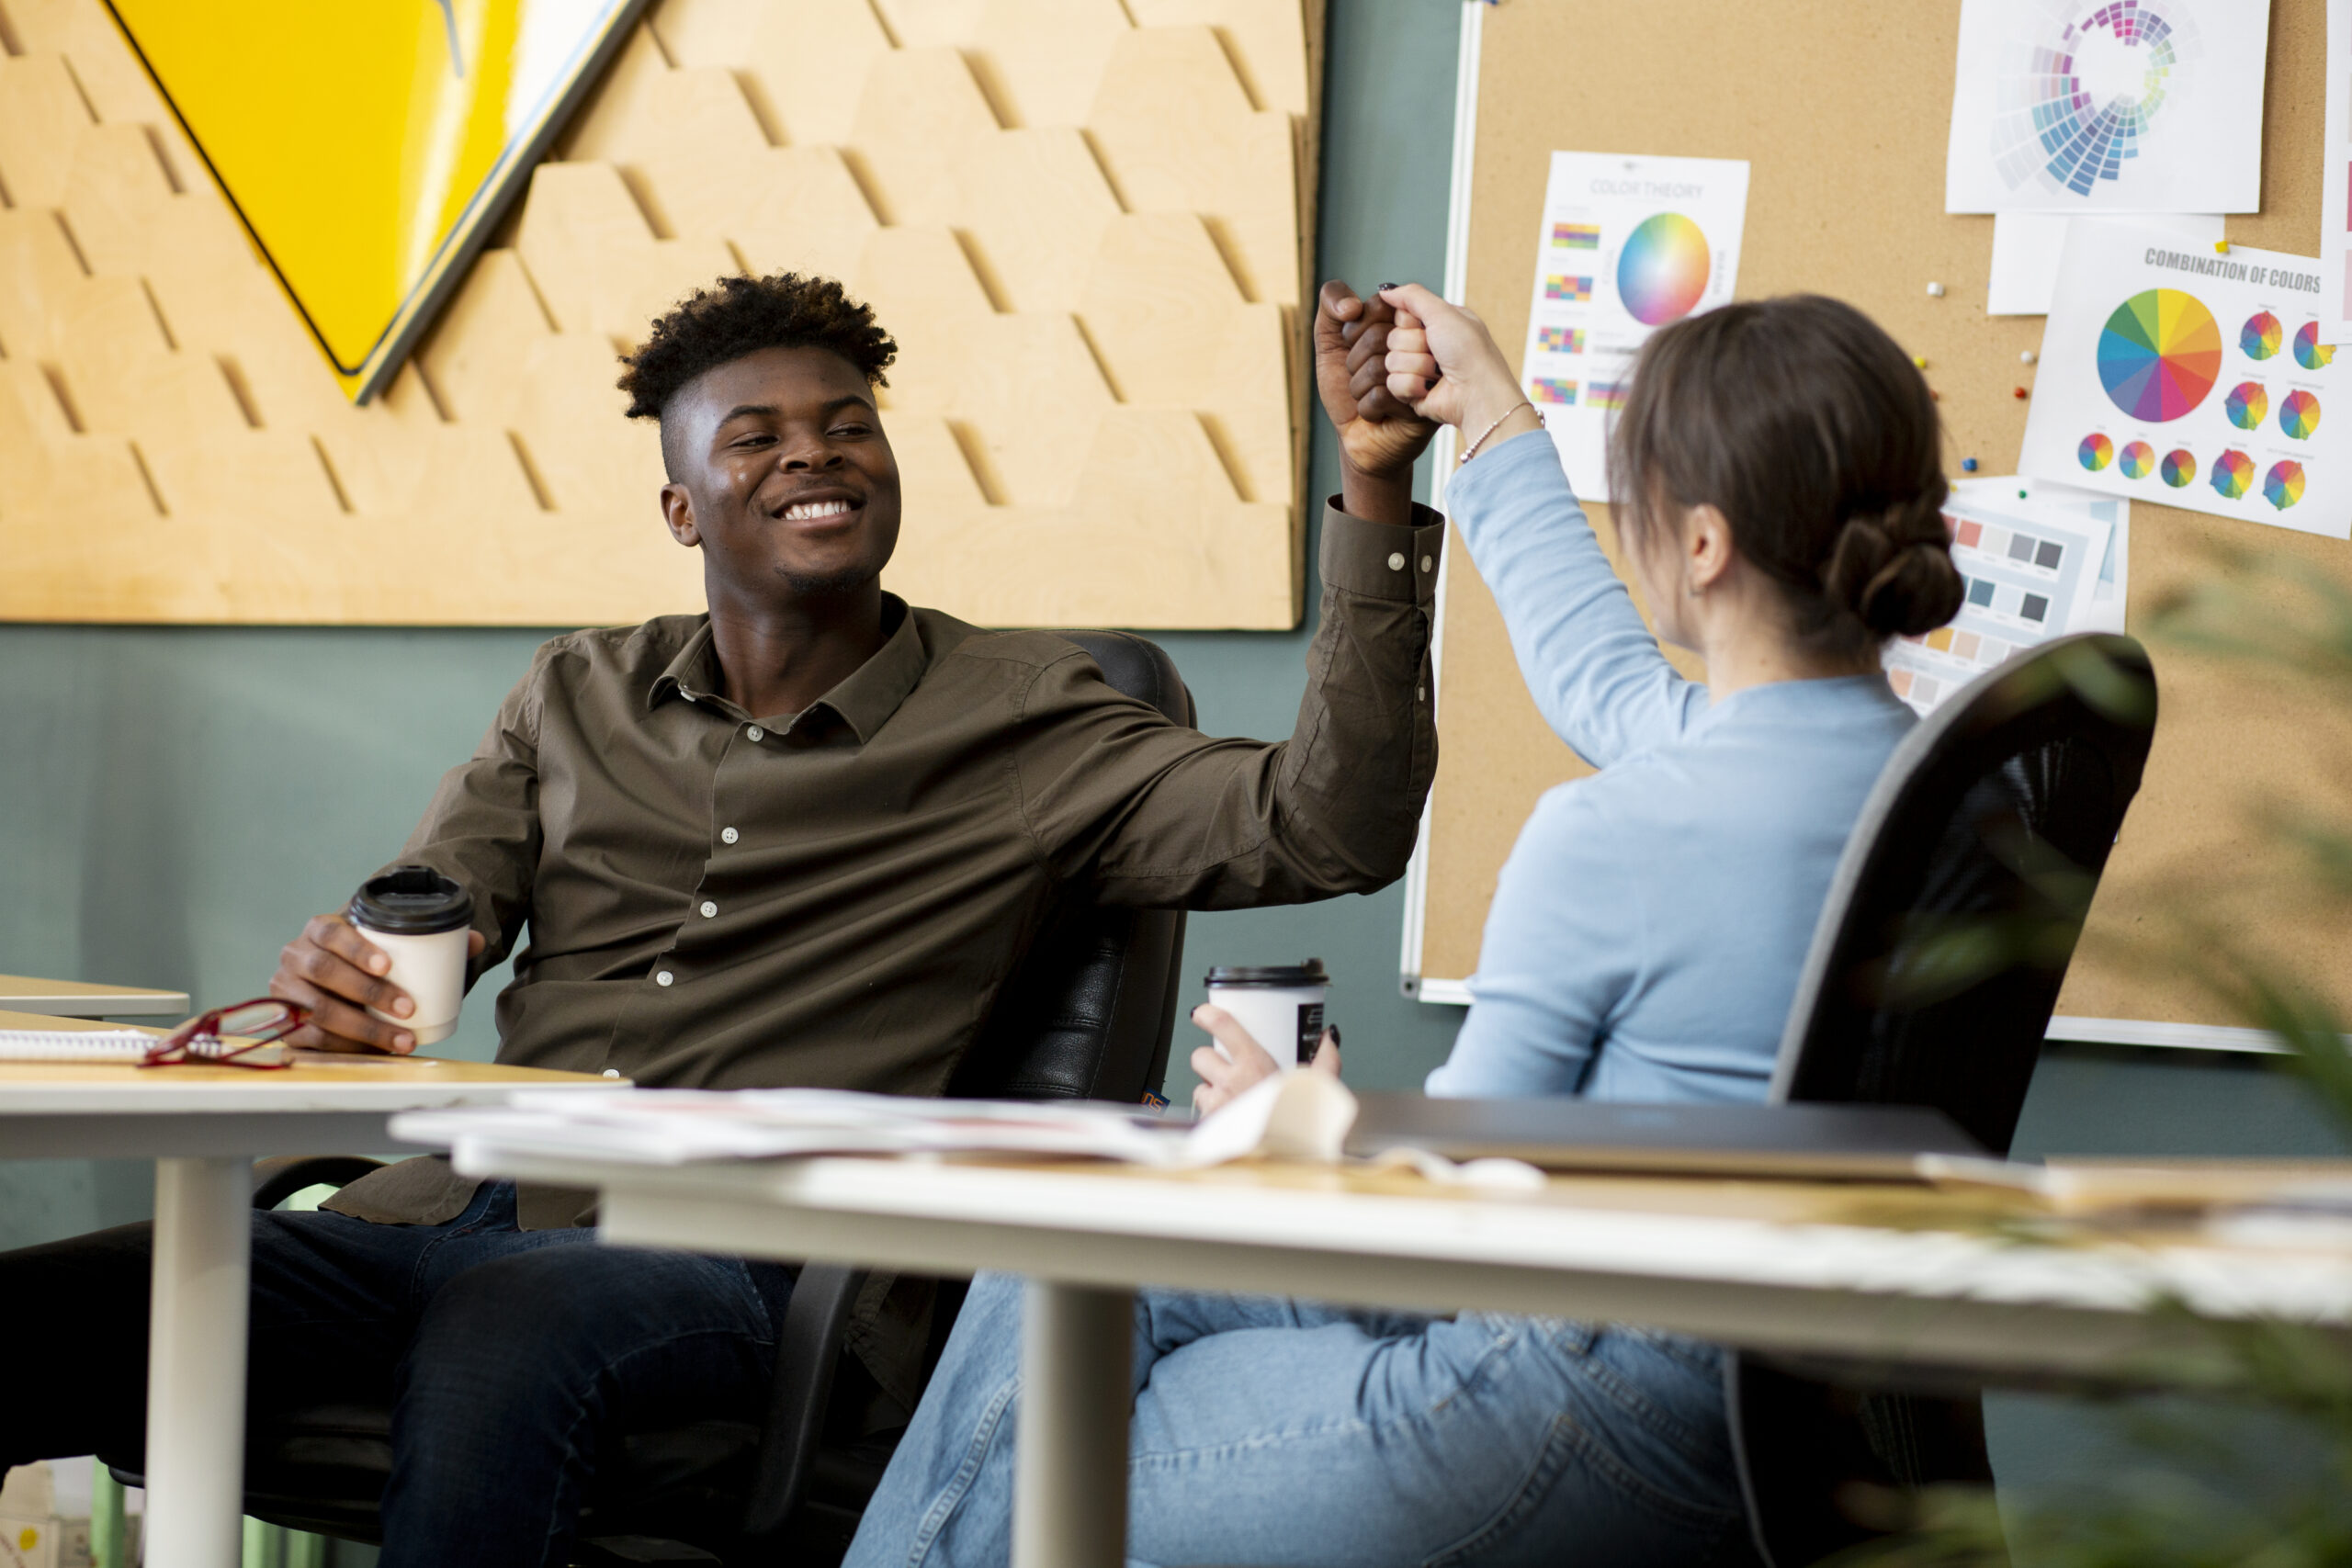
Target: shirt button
(728,835)
(663,979)
(1426,563)
(611,1072)
(1396,560)
(756,733)
(1421,693)
(708,909)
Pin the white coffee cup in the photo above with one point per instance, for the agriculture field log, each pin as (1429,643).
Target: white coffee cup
(420,919)
(1280,1004)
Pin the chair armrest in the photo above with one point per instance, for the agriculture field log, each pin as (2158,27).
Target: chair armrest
(808,1350)
(278,1179)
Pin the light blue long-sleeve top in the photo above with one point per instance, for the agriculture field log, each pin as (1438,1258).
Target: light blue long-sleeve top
(1647,935)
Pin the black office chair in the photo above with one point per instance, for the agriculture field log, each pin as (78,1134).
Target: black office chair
(1089,1015)
(1931,979)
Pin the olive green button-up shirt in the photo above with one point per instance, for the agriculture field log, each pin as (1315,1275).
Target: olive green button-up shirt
(715,900)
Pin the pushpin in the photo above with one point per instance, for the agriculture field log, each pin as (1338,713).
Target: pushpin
(2021,495)
(2021,392)
(2221,247)
(1920,360)
(2026,358)
(1935,291)
(1934,396)
(1968,465)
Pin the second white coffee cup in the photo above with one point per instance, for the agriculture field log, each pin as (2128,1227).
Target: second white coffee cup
(1280,1004)
(420,919)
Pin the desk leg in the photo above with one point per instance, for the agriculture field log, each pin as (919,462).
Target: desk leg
(196,1367)
(1069,1486)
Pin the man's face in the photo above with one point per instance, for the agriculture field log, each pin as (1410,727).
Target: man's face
(780,472)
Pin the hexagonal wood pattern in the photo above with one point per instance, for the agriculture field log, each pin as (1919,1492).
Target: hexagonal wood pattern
(1087,221)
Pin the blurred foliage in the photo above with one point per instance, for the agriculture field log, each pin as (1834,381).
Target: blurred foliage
(2197,1498)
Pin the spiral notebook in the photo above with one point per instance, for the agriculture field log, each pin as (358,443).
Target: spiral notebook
(74,1046)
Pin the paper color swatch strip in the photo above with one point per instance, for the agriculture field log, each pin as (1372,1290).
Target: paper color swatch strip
(2193,379)
(1627,245)
(2031,566)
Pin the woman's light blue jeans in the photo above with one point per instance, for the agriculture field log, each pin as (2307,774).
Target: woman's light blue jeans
(1272,1432)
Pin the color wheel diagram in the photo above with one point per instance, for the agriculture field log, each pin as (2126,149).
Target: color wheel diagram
(2160,353)
(2080,97)
(1662,272)
(2298,415)
(2233,471)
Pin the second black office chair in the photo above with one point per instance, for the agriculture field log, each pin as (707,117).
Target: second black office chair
(1931,979)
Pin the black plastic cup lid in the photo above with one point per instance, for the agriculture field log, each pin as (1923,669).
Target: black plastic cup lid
(411,900)
(1310,972)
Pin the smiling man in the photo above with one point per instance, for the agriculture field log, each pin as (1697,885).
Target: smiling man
(801,839)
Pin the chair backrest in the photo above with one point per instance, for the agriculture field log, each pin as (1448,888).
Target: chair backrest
(1931,978)
(1090,1012)
(1955,908)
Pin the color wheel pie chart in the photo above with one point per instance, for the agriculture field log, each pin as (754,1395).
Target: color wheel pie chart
(2159,355)
(2283,485)
(2178,468)
(2298,415)
(1662,271)
(2136,458)
(2233,471)
(2095,452)
(2310,353)
(2260,337)
(2247,404)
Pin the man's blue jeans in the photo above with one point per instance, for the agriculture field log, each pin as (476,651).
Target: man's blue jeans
(1275,1432)
(512,1358)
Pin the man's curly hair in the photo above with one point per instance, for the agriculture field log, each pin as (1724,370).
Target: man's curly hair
(737,316)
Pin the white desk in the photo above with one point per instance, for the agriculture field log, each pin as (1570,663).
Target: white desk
(80,999)
(203,1126)
(1899,1273)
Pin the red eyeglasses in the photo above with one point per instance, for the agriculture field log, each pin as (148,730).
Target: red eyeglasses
(205,1039)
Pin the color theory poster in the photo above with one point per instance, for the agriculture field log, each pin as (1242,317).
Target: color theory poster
(1627,245)
(2114,105)
(2188,378)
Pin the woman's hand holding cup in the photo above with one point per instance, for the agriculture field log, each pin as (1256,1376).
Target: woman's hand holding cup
(1237,1063)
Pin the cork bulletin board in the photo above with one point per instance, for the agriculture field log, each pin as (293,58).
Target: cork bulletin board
(1843,111)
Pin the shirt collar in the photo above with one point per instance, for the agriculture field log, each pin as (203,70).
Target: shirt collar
(864,699)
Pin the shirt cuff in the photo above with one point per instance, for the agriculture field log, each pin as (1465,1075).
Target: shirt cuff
(1382,560)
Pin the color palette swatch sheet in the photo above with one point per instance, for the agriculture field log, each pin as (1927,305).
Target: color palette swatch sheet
(2032,566)
(1627,245)
(2113,106)
(2192,378)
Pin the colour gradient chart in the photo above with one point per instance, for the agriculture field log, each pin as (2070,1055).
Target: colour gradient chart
(2031,567)
(1627,245)
(2191,378)
(2113,106)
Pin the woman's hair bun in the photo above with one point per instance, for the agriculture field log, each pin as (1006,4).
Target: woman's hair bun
(1892,570)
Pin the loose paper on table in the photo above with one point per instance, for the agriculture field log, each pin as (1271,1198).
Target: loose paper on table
(2118,106)
(2027,247)
(2032,564)
(2193,380)
(1627,245)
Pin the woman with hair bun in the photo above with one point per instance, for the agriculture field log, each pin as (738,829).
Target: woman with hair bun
(1781,496)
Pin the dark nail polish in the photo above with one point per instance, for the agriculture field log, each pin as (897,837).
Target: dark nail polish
(1333,1031)
(1385,287)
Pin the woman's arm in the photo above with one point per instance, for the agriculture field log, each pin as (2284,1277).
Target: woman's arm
(1593,667)
(1562,950)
